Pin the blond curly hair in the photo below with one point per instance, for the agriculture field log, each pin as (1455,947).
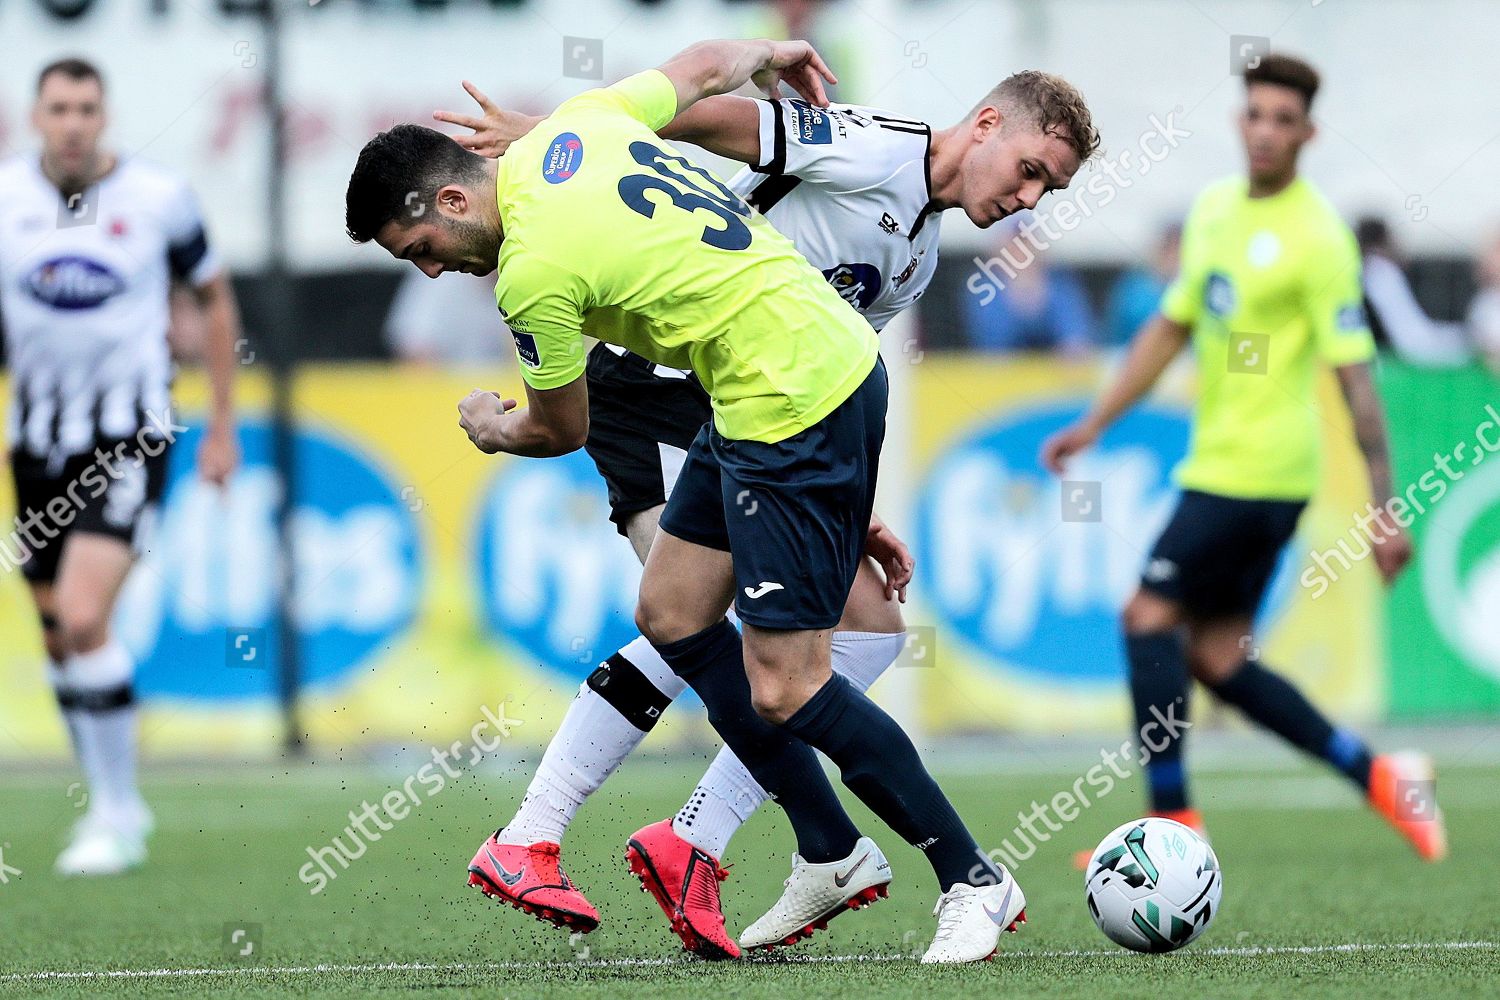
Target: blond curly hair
(1047,103)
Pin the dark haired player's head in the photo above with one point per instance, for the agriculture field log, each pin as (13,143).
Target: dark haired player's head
(425,199)
(1027,136)
(1277,120)
(69,116)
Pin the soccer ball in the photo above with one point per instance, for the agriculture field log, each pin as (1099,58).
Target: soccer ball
(1153,885)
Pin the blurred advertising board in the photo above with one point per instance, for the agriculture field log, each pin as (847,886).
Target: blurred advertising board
(1023,575)
(1445,613)
(433,580)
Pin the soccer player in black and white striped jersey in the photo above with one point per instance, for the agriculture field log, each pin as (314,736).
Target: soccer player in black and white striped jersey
(90,245)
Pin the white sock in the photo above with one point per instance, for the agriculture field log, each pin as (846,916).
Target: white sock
(590,743)
(83,751)
(864,656)
(727,795)
(104,730)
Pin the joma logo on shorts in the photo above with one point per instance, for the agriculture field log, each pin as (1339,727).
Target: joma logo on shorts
(761,591)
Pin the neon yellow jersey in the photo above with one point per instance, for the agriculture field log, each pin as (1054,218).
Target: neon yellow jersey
(611,232)
(1271,289)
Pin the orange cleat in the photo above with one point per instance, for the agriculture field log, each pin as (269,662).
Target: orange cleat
(684,881)
(1191,818)
(529,878)
(1403,789)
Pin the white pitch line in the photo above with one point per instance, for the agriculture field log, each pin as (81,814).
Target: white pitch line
(617,963)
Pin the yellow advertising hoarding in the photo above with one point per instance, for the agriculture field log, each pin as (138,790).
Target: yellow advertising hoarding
(433,580)
(1022,601)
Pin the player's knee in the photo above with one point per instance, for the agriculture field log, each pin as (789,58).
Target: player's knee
(1211,663)
(1145,613)
(772,710)
(775,703)
(659,621)
(56,651)
(80,629)
(1208,673)
(647,621)
(776,691)
(52,636)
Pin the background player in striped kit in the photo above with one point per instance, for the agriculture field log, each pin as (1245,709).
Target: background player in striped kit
(90,244)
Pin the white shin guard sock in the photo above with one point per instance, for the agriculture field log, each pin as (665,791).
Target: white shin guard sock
(592,740)
(94,689)
(864,656)
(78,735)
(727,795)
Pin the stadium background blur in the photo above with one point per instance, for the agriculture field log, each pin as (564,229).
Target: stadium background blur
(431,582)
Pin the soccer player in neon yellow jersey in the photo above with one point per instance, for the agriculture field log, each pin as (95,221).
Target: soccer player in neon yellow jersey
(857,189)
(600,228)
(1269,290)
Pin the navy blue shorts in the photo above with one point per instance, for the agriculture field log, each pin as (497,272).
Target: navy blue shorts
(1217,553)
(793,514)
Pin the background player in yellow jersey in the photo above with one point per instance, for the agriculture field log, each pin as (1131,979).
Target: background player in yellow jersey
(601,228)
(1269,289)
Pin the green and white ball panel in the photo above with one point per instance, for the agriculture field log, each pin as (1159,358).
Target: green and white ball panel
(1153,885)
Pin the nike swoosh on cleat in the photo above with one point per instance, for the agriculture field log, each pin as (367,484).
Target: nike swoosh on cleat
(505,876)
(843,880)
(998,915)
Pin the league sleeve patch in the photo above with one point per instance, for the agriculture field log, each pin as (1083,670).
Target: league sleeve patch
(526,349)
(1218,294)
(1351,318)
(563,158)
(811,126)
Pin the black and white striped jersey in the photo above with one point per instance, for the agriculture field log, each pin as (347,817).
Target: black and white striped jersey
(84,285)
(850,186)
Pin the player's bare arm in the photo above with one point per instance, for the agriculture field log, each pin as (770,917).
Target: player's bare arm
(728,125)
(554,421)
(706,72)
(1150,353)
(720,67)
(1393,549)
(219,453)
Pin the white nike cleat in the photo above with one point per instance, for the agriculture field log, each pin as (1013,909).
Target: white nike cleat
(970,919)
(815,894)
(100,849)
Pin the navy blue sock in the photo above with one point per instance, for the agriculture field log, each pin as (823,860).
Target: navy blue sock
(713,664)
(880,765)
(1159,691)
(1272,701)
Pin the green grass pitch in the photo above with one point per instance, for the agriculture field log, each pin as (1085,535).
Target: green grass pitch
(1306,870)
